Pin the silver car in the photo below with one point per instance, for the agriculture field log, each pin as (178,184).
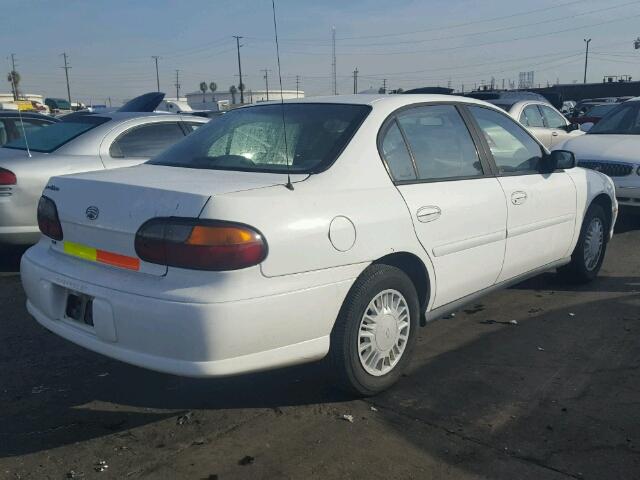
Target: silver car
(546,123)
(78,143)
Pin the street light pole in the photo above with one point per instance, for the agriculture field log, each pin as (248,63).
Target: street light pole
(586,59)
(241,86)
(155,57)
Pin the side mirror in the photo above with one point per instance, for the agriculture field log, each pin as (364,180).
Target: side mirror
(560,159)
(585,127)
(572,127)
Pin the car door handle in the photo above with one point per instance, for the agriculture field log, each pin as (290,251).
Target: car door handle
(428,214)
(518,198)
(554,133)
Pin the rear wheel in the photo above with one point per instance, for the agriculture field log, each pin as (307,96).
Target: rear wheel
(372,340)
(588,255)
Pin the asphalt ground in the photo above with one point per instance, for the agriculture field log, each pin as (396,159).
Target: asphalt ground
(555,396)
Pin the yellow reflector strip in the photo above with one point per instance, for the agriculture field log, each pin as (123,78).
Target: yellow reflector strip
(101,256)
(81,251)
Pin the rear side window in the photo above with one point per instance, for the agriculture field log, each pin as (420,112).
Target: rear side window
(531,117)
(513,149)
(440,142)
(146,141)
(553,118)
(299,137)
(396,155)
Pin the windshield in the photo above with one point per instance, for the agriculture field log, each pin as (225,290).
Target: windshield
(61,104)
(46,140)
(253,138)
(623,120)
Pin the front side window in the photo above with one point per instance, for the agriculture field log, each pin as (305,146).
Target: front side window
(441,145)
(49,139)
(531,117)
(146,141)
(295,137)
(395,153)
(553,118)
(513,149)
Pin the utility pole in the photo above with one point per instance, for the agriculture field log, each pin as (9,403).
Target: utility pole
(333,64)
(14,90)
(109,102)
(355,80)
(266,81)
(66,73)
(384,85)
(586,59)
(155,57)
(177,84)
(297,85)
(240,69)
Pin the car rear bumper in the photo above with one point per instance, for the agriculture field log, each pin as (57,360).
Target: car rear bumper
(189,338)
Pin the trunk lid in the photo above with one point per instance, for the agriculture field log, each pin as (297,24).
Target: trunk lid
(104,210)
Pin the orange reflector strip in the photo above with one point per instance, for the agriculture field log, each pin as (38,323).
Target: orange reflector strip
(117,260)
(101,256)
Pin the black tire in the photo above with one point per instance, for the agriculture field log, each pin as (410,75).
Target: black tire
(578,271)
(344,356)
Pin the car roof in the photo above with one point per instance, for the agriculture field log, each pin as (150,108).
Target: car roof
(395,100)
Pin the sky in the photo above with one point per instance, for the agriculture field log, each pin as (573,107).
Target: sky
(409,43)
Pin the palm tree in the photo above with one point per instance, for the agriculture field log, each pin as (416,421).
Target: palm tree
(233,90)
(213,86)
(203,88)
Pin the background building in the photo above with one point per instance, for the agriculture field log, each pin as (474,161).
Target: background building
(225,100)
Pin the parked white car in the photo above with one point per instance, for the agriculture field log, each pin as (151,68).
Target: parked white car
(611,146)
(241,248)
(548,125)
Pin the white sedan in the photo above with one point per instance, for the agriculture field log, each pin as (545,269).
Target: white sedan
(611,146)
(283,233)
(546,123)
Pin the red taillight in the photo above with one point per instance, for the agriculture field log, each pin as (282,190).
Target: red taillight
(48,220)
(7,177)
(200,244)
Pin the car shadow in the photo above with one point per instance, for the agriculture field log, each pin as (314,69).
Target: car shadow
(548,391)
(628,220)
(10,258)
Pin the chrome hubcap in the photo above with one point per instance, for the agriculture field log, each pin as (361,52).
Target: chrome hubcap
(593,243)
(384,332)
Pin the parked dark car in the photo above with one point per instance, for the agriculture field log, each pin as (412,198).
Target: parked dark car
(14,124)
(592,113)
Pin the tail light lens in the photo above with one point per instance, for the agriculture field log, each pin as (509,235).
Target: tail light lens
(200,244)
(48,220)
(7,177)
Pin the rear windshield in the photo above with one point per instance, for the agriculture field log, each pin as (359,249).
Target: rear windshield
(49,139)
(253,138)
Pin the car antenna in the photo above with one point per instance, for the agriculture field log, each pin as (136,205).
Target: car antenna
(24,132)
(289,185)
